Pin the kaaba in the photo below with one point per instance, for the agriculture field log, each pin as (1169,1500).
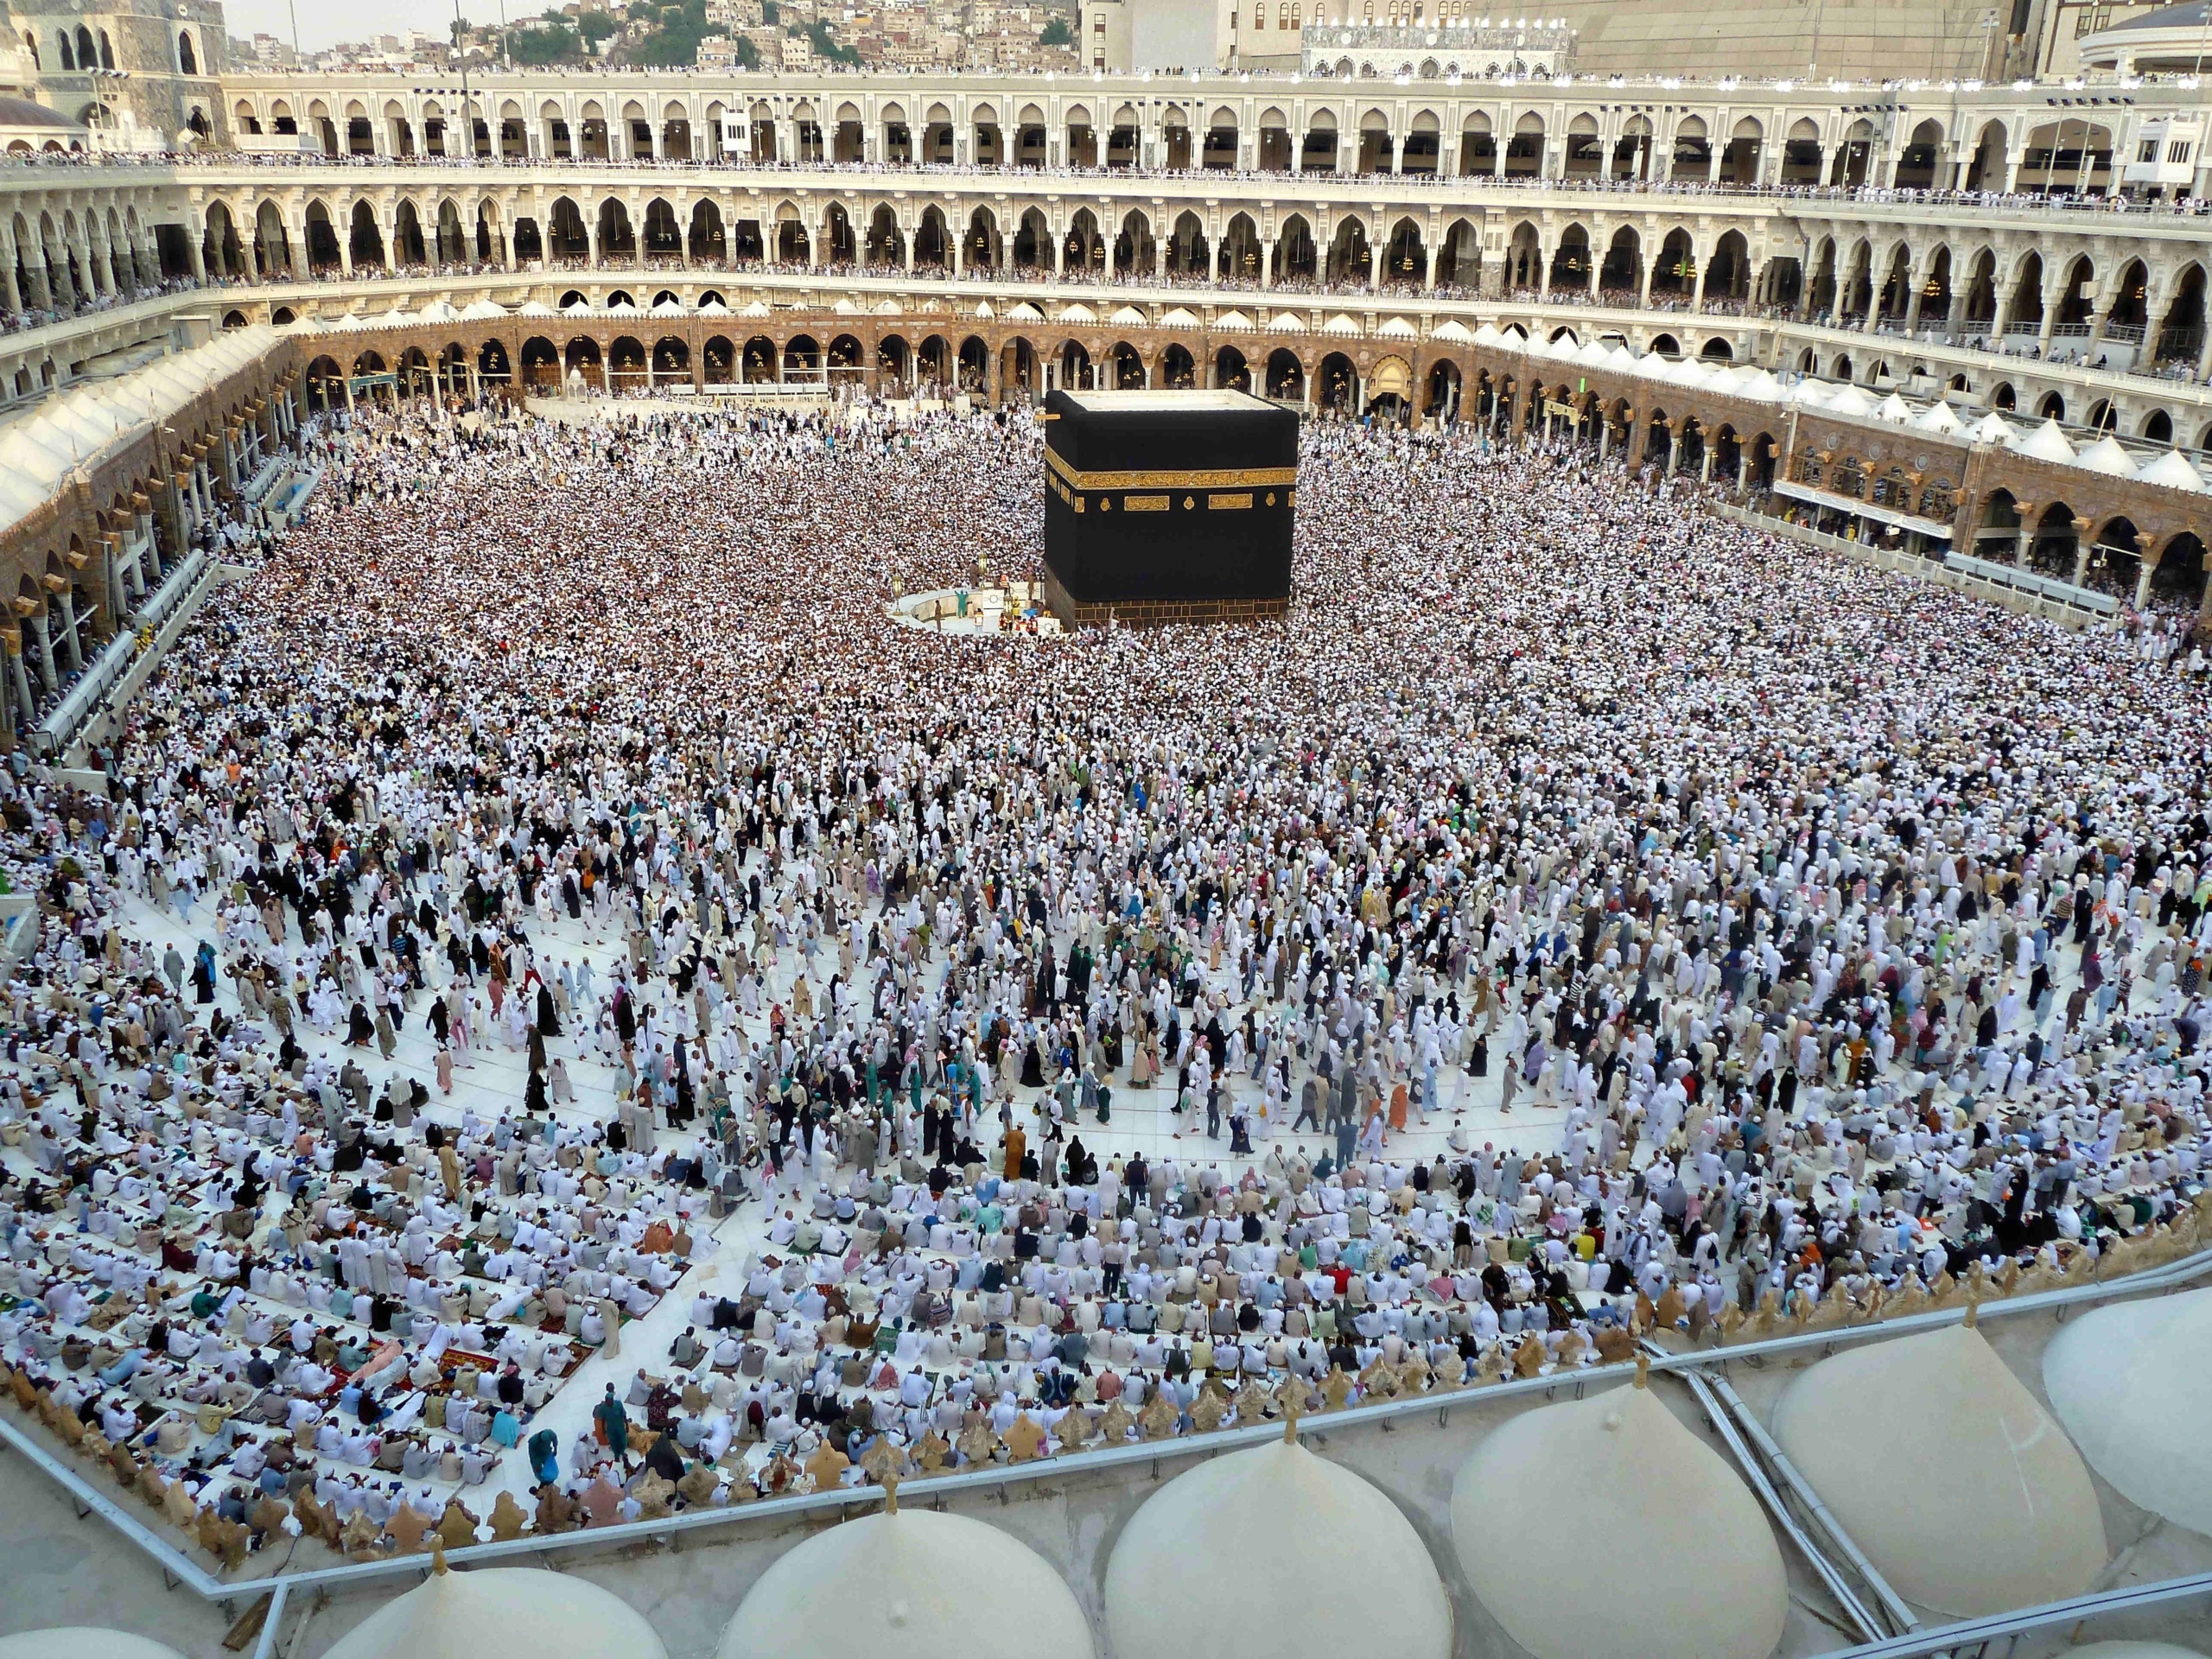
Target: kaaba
(1168,506)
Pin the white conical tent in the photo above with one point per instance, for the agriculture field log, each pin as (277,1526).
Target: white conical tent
(913,1584)
(1691,1568)
(2105,456)
(2129,1381)
(82,1642)
(1328,1558)
(502,1612)
(1957,1484)
(2046,443)
(2173,470)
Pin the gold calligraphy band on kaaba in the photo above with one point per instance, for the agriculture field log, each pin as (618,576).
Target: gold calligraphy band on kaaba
(1144,504)
(1235,479)
(1230,503)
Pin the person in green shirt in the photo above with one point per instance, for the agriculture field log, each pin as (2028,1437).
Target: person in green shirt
(614,1422)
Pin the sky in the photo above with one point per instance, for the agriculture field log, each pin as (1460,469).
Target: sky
(324,22)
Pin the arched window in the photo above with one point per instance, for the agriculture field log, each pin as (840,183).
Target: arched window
(30,45)
(107,51)
(69,52)
(187,61)
(88,56)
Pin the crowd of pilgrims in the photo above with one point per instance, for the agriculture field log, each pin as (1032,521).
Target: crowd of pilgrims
(1580,917)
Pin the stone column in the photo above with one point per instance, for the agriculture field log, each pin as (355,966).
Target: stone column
(73,637)
(20,678)
(9,288)
(2024,536)
(2147,565)
(43,636)
(103,260)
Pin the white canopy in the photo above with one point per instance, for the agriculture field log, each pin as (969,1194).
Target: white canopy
(2132,1383)
(78,427)
(1956,1483)
(2106,455)
(1992,428)
(1938,417)
(1893,408)
(2174,470)
(1691,1570)
(1178,317)
(2046,443)
(1847,399)
(1454,330)
(82,1642)
(484,311)
(1128,316)
(440,311)
(1025,312)
(1279,1525)
(1078,312)
(1759,385)
(913,1584)
(502,1612)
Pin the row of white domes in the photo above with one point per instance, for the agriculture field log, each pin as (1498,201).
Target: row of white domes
(1955,1481)
(2045,442)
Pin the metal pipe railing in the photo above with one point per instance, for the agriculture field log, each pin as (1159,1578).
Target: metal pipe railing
(1000,1478)
(1755,1477)
(1900,1615)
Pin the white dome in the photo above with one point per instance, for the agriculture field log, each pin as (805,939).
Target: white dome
(1692,1571)
(1958,1485)
(1273,1523)
(503,1612)
(82,1642)
(2121,1379)
(917,1584)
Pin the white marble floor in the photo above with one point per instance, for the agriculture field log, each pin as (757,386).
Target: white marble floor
(492,1082)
